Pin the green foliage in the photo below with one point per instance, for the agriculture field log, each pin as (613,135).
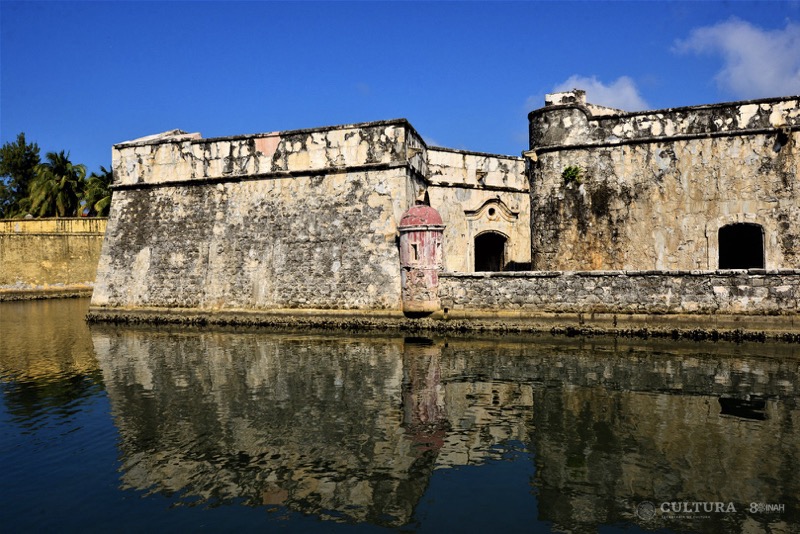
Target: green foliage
(57,189)
(18,162)
(97,195)
(572,175)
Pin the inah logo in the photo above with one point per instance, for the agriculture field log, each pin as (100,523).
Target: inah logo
(646,510)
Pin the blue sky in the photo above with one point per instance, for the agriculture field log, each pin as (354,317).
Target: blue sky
(81,76)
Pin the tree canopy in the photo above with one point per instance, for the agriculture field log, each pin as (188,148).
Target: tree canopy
(56,187)
(97,195)
(18,162)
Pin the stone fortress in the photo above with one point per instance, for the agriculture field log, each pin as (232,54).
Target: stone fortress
(609,219)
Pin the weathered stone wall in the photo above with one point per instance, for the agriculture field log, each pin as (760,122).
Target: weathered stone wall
(46,252)
(476,193)
(655,187)
(303,219)
(642,292)
(307,219)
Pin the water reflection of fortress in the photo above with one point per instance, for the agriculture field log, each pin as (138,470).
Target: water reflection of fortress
(353,428)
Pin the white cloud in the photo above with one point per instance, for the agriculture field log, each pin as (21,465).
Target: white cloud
(756,62)
(622,93)
(534,102)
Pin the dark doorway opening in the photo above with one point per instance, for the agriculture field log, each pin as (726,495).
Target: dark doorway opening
(754,408)
(741,246)
(490,252)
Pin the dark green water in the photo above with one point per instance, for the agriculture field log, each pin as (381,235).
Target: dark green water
(173,429)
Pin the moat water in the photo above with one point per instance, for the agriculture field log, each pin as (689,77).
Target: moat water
(112,428)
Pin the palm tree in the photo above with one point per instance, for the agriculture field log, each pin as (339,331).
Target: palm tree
(97,195)
(58,186)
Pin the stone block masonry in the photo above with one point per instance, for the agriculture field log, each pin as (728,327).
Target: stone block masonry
(296,220)
(756,296)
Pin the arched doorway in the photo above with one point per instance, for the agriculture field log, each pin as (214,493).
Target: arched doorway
(490,252)
(741,246)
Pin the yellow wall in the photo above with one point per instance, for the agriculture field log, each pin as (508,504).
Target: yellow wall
(39,252)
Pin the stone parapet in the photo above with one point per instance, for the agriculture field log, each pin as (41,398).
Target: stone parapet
(571,121)
(55,225)
(178,157)
(745,292)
